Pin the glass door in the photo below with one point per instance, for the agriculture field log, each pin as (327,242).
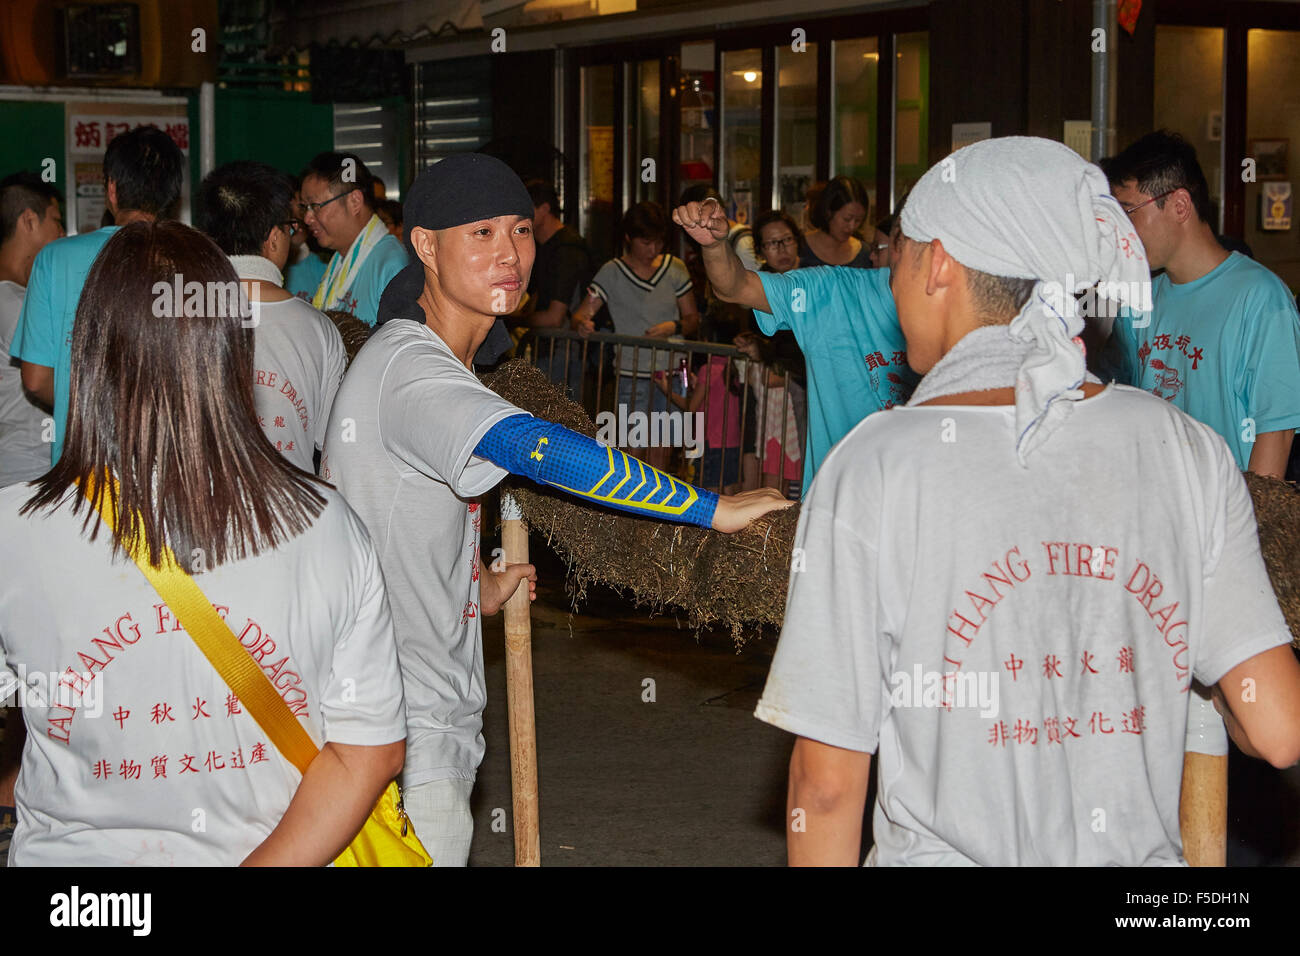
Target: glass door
(598,215)
(698,115)
(796,128)
(742,132)
(1272,141)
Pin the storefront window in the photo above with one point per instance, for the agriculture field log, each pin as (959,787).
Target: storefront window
(853,134)
(742,131)
(796,127)
(911,112)
(699,115)
(1272,138)
(645,130)
(1189,95)
(596,190)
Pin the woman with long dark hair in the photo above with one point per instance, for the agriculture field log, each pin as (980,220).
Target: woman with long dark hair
(137,750)
(836,218)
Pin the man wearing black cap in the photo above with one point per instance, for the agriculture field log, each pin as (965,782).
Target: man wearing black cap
(415,438)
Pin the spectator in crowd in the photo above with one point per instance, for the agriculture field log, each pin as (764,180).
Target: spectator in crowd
(165,405)
(843,319)
(306,265)
(779,241)
(811,198)
(29,221)
(776,373)
(142,182)
(715,389)
(560,275)
(912,539)
(1223,342)
(776,379)
(716,316)
(430,438)
(390,211)
(836,218)
(339,209)
(648,293)
(378,189)
(246,207)
(880,242)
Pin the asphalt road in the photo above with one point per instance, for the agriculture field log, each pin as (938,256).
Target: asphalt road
(648,751)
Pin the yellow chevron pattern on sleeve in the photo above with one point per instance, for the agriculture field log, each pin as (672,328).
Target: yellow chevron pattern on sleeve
(622,467)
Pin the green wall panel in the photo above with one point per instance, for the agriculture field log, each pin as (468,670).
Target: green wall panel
(275,127)
(29,133)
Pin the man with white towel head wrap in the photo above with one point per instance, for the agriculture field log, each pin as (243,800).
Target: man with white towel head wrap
(1011,583)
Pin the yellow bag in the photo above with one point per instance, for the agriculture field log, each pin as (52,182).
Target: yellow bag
(387,837)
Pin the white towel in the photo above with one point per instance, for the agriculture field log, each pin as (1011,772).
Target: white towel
(1031,208)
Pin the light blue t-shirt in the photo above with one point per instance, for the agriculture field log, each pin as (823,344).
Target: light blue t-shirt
(386,259)
(44,334)
(845,322)
(301,278)
(1224,348)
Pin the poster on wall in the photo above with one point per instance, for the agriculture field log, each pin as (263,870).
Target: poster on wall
(1270,159)
(742,206)
(600,159)
(1275,207)
(92,126)
(88,195)
(964,134)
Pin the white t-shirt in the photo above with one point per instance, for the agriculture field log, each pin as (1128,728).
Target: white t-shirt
(120,773)
(924,555)
(23,455)
(299,361)
(401,449)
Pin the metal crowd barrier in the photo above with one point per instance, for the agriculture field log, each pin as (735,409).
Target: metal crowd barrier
(614,377)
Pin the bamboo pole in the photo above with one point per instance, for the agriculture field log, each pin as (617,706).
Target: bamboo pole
(519,693)
(1203,810)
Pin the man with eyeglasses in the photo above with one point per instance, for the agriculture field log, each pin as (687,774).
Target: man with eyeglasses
(306,265)
(298,356)
(339,208)
(1223,341)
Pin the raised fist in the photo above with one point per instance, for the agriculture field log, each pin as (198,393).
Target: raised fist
(705,222)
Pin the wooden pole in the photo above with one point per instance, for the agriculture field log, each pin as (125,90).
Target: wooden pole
(1203,810)
(519,693)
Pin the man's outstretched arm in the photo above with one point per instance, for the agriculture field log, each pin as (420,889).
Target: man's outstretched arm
(732,282)
(551,454)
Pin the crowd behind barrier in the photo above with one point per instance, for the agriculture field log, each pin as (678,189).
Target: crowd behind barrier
(734,421)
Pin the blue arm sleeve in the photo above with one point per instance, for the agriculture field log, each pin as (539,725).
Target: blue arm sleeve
(551,454)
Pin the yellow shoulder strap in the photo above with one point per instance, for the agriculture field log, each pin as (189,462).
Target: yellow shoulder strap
(218,644)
